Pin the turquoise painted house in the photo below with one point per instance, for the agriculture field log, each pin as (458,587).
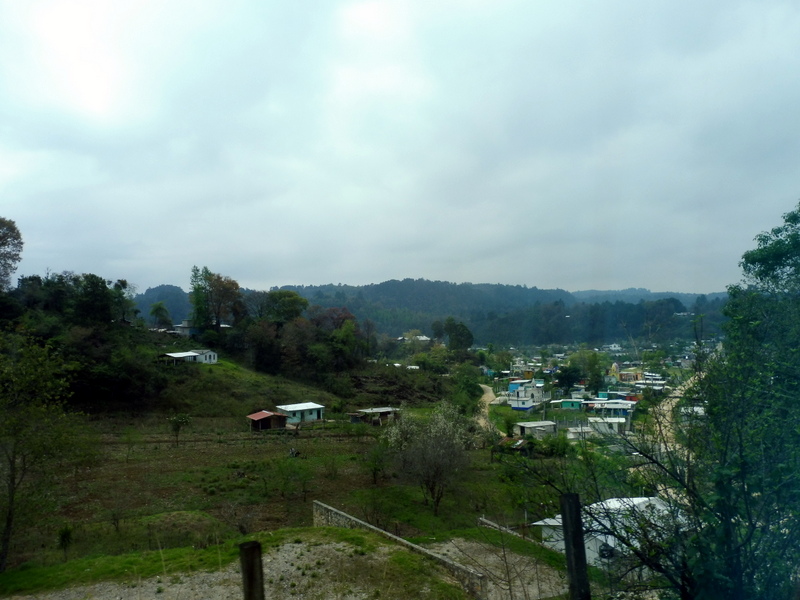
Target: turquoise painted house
(567,404)
(305,411)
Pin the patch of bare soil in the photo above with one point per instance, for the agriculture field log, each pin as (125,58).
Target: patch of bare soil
(313,571)
(487,398)
(510,575)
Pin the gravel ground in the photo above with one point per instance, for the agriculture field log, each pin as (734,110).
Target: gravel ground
(291,571)
(328,570)
(528,579)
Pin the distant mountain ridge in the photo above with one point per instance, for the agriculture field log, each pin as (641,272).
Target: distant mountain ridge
(635,295)
(437,296)
(494,312)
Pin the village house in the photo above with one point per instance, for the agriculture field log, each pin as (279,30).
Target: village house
(580,432)
(609,425)
(302,412)
(521,403)
(599,518)
(524,394)
(185,329)
(205,356)
(375,416)
(612,409)
(264,420)
(538,429)
(567,404)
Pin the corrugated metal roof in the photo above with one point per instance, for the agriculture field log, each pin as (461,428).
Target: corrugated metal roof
(301,406)
(263,414)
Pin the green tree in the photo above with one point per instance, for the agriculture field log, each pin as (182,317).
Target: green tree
(93,302)
(568,376)
(160,315)
(264,346)
(223,297)
(215,298)
(346,346)
(37,436)
(276,306)
(467,391)
(200,298)
(122,294)
(10,251)
(459,337)
(774,265)
(591,369)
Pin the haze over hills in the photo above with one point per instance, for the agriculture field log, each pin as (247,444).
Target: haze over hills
(494,312)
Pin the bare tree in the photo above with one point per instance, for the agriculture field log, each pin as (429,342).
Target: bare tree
(433,453)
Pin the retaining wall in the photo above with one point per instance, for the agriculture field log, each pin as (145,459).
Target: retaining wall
(472,581)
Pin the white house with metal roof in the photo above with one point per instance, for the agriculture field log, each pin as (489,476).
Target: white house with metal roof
(535,428)
(601,519)
(304,411)
(205,356)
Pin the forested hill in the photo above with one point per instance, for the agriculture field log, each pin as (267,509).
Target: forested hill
(508,314)
(437,297)
(635,295)
(503,314)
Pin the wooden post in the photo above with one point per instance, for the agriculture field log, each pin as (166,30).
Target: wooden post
(252,574)
(574,547)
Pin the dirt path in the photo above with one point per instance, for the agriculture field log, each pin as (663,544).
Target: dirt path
(664,413)
(486,400)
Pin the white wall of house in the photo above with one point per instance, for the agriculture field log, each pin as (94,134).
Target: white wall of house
(305,411)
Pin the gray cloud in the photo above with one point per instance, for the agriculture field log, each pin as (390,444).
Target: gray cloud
(568,145)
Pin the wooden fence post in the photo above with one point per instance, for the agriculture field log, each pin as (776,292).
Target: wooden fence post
(252,574)
(574,547)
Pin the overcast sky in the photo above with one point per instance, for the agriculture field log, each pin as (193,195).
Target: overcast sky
(574,145)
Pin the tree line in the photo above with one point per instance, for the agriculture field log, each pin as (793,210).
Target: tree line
(520,316)
(513,317)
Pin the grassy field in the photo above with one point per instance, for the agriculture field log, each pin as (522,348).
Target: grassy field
(146,496)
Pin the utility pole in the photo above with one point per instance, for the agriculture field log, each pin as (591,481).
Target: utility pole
(252,573)
(574,547)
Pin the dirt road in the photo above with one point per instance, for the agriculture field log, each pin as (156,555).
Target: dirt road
(487,399)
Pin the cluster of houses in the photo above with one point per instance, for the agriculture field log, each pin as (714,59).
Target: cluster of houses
(611,411)
(294,415)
